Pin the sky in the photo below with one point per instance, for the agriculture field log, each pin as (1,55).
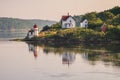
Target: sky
(52,9)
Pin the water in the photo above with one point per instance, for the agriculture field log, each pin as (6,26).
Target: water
(22,61)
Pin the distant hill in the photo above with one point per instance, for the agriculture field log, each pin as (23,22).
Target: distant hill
(14,23)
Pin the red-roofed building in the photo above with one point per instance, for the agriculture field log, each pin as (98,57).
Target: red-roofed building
(68,21)
(33,32)
(65,17)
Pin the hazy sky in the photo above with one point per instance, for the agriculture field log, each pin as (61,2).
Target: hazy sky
(52,9)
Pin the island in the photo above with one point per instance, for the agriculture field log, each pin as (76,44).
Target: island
(93,27)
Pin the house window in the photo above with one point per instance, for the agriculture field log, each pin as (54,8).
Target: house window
(65,25)
(69,25)
(86,22)
(86,25)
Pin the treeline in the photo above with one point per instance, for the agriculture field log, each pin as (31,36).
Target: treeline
(80,35)
(13,23)
(74,34)
(93,33)
(109,17)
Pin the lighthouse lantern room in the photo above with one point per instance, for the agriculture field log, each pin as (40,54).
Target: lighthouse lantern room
(33,32)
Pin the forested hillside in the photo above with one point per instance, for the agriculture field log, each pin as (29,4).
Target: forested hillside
(14,23)
(109,17)
(94,33)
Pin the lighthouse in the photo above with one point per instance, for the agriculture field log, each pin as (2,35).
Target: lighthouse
(33,32)
(35,27)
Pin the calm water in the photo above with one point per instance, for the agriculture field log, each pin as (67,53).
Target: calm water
(22,61)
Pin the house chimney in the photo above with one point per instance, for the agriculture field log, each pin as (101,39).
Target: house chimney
(68,14)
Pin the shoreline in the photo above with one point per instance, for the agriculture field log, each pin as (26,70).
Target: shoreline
(48,41)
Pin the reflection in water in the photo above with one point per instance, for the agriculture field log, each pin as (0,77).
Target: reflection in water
(89,53)
(106,57)
(68,58)
(94,63)
(34,49)
(46,51)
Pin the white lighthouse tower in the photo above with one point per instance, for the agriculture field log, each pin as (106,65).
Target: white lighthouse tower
(33,32)
(35,27)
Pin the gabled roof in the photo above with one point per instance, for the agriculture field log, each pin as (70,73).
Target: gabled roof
(35,26)
(64,18)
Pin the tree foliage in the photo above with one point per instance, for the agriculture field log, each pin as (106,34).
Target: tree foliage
(46,28)
(115,10)
(56,26)
(113,33)
(116,20)
(90,16)
(93,20)
(105,16)
(111,16)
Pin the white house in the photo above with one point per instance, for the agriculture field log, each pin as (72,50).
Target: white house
(33,32)
(84,23)
(71,22)
(68,58)
(68,21)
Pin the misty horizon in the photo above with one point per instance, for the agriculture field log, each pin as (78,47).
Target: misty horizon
(52,9)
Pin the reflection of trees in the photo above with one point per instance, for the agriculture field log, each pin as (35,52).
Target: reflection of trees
(92,53)
(105,57)
(46,51)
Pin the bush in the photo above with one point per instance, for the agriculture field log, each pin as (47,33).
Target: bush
(113,33)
